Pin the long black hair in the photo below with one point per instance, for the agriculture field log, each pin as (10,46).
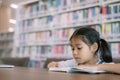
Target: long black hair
(90,36)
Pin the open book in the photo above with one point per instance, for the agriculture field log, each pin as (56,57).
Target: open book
(6,66)
(74,70)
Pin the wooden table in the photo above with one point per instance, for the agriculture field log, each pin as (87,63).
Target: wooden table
(18,73)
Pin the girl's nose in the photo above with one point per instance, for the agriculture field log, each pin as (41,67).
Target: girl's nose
(75,52)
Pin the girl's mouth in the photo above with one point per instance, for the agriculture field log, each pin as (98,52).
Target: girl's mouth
(77,58)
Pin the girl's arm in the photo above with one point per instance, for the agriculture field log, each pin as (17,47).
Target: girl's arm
(66,63)
(109,67)
(115,68)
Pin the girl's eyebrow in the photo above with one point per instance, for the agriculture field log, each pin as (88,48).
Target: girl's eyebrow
(75,44)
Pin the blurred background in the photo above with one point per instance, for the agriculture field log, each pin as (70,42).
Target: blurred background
(35,32)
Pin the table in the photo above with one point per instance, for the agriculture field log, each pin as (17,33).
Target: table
(19,73)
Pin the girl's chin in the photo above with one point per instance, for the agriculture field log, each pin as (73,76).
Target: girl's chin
(79,62)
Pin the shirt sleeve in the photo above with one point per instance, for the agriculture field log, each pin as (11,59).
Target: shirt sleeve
(108,63)
(68,63)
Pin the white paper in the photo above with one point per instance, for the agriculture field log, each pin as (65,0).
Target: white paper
(6,66)
(74,70)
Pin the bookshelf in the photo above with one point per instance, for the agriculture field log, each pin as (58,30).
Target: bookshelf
(6,44)
(111,25)
(45,26)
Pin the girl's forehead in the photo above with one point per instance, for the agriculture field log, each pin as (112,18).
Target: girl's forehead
(76,41)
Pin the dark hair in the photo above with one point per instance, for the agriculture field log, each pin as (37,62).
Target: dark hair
(90,36)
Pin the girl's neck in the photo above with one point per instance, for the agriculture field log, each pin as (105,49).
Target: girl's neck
(95,60)
(92,61)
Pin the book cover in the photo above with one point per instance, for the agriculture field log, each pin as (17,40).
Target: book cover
(74,70)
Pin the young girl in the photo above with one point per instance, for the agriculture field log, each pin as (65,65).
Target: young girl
(88,49)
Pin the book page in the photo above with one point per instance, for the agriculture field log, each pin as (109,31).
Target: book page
(63,69)
(74,70)
(6,66)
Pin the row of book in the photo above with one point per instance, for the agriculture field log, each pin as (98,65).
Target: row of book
(111,30)
(6,36)
(62,49)
(34,52)
(36,64)
(34,38)
(111,11)
(53,5)
(64,35)
(39,52)
(79,17)
(115,48)
(36,23)
(88,15)
(110,1)
(6,44)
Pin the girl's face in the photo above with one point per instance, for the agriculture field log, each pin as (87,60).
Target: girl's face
(83,53)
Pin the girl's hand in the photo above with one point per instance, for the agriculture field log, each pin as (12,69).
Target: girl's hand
(88,67)
(53,64)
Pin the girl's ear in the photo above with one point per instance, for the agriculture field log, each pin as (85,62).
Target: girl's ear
(94,47)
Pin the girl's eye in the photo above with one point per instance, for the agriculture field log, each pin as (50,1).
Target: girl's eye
(79,48)
(73,49)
